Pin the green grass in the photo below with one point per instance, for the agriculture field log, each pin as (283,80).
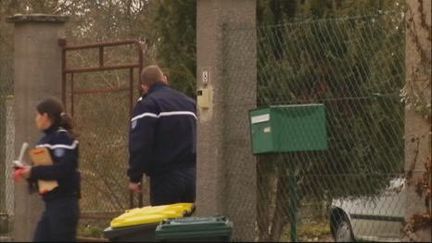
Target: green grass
(311,231)
(90,231)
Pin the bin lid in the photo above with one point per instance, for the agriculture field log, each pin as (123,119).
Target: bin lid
(194,228)
(151,214)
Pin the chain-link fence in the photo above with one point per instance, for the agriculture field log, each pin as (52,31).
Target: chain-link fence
(6,133)
(355,68)
(7,136)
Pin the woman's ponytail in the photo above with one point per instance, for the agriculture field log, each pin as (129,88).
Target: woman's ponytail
(67,123)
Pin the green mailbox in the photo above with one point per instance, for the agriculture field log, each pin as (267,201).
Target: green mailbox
(288,128)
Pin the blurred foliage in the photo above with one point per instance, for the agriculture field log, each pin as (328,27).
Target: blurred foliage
(168,27)
(174,37)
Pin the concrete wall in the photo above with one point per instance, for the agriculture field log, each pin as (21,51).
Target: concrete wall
(37,75)
(417,127)
(226,167)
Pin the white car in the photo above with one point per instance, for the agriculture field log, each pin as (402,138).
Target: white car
(378,218)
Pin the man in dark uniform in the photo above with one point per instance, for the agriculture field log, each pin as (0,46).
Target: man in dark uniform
(162,141)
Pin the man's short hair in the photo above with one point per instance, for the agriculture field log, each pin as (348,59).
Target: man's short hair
(151,74)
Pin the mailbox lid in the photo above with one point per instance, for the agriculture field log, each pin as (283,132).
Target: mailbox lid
(299,127)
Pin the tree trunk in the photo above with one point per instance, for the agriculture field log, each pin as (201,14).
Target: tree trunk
(281,216)
(417,93)
(264,199)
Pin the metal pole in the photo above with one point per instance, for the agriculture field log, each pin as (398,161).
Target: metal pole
(62,44)
(72,94)
(293,199)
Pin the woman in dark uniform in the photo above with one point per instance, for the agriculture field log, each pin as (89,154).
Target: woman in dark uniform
(60,218)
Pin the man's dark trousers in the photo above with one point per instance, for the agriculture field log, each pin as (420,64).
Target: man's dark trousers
(173,187)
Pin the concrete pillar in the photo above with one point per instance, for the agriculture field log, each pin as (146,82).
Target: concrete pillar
(37,75)
(226,65)
(417,126)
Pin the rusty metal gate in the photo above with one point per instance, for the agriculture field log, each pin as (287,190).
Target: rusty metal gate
(98,91)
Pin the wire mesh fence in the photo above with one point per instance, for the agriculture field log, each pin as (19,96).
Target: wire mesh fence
(354,67)
(6,145)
